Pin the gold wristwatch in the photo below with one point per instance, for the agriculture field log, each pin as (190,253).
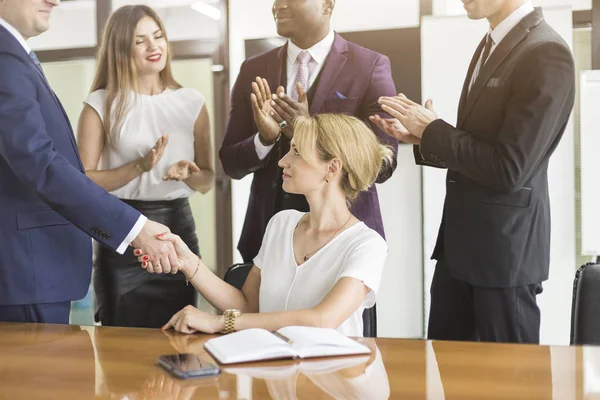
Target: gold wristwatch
(230,317)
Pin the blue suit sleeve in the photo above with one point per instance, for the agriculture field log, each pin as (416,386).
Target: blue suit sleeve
(28,149)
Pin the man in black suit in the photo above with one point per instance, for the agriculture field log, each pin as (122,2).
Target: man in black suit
(493,246)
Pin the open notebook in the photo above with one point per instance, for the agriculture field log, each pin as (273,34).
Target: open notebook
(289,342)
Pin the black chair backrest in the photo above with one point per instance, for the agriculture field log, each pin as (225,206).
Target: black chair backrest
(585,324)
(236,276)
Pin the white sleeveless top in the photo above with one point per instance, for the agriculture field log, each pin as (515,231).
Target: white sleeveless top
(357,252)
(172,112)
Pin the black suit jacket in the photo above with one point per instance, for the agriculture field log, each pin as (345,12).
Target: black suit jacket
(495,229)
(360,75)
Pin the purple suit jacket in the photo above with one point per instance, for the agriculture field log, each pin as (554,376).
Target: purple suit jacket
(360,75)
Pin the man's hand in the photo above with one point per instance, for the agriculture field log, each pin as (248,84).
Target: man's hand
(287,109)
(414,117)
(161,254)
(181,171)
(394,128)
(268,129)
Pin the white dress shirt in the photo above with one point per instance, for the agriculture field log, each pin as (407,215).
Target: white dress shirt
(137,228)
(499,32)
(319,53)
(357,252)
(16,34)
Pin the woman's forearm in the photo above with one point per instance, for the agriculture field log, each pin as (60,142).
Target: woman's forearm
(114,179)
(273,321)
(217,292)
(201,181)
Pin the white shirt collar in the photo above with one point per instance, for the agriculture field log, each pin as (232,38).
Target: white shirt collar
(318,52)
(16,34)
(510,22)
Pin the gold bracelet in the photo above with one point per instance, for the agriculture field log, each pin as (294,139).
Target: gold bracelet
(187,280)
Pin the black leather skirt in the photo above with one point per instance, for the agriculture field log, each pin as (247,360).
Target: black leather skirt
(127,295)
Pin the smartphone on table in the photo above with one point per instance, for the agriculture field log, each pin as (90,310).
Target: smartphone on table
(186,366)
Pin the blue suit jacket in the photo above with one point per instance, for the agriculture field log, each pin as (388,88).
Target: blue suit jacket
(48,207)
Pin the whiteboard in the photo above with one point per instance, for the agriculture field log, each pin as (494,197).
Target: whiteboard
(447,45)
(590,151)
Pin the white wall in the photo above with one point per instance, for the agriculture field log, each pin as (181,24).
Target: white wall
(181,23)
(400,301)
(444,68)
(69,18)
(455,7)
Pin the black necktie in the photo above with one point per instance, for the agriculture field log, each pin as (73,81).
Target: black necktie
(486,50)
(38,66)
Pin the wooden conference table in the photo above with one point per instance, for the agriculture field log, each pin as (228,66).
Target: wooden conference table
(40,361)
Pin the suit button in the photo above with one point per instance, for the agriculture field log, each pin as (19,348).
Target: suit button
(274,185)
(286,196)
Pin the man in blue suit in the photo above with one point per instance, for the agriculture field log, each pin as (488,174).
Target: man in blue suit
(48,207)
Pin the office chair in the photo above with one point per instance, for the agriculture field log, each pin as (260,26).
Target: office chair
(585,324)
(236,276)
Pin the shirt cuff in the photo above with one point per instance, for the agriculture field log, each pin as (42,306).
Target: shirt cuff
(135,231)
(262,151)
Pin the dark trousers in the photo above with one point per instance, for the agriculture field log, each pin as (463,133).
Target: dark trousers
(127,295)
(460,311)
(48,313)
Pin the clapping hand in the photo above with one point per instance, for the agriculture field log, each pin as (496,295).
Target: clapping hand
(268,128)
(395,129)
(148,162)
(181,171)
(413,116)
(287,109)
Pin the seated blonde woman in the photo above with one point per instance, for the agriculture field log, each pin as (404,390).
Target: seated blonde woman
(321,268)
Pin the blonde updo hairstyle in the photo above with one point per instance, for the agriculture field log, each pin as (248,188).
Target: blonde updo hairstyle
(350,140)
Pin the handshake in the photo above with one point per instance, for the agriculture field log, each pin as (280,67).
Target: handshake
(159,251)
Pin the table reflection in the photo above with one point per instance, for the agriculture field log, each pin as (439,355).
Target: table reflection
(454,366)
(362,377)
(70,362)
(37,357)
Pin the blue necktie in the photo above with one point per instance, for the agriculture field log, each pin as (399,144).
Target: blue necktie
(38,66)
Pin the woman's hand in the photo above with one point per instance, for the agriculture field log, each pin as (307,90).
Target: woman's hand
(181,171)
(192,320)
(185,256)
(162,387)
(148,162)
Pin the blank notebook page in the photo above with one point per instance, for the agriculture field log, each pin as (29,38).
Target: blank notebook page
(248,344)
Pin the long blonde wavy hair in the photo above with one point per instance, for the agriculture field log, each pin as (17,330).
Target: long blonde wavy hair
(116,71)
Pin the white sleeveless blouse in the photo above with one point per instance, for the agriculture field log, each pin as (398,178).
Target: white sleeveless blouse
(172,112)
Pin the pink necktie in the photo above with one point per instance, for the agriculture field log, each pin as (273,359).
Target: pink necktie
(303,59)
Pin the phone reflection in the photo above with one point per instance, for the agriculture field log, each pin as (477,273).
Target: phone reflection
(150,382)
(361,377)
(24,374)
